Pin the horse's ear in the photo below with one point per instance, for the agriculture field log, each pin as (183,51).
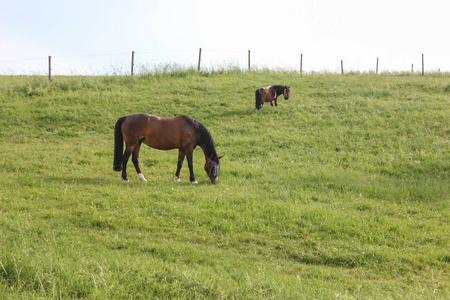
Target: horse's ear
(220,157)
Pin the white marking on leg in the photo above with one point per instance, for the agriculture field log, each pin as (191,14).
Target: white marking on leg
(194,182)
(141,177)
(176,178)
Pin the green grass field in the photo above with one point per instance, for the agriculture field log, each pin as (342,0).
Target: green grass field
(340,193)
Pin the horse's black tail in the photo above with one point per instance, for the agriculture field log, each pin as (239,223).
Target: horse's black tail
(258,101)
(118,145)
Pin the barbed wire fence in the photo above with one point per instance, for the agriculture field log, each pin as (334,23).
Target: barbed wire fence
(139,63)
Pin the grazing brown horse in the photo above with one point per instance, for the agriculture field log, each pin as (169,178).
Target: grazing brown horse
(270,94)
(183,133)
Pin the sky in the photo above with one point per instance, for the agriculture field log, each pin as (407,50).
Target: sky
(96,37)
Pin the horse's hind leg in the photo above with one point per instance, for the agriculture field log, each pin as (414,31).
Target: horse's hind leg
(125,158)
(135,161)
(181,156)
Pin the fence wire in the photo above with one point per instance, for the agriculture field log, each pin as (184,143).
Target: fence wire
(212,59)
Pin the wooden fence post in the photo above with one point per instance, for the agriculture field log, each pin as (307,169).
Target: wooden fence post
(377,65)
(199,57)
(249,60)
(301,63)
(50,68)
(412,68)
(342,67)
(423,66)
(132,63)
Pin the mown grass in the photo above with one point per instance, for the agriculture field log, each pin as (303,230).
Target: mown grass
(341,192)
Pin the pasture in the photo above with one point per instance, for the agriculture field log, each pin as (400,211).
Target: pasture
(340,193)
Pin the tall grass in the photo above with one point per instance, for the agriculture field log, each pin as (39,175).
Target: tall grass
(341,192)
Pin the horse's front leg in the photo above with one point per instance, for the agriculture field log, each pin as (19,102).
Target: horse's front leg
(191,167)
(276,102)
(135,161)
(181,156)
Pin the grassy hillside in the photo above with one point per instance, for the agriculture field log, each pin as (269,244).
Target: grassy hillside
(342,192)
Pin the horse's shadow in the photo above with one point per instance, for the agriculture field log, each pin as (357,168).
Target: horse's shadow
(117,181)
(232,113)
(79,180)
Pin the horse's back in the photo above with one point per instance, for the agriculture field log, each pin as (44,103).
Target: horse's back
(159,132)
(171,133)
(135,124)
(261,91)
(266,93)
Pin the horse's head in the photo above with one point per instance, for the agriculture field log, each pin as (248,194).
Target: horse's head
(212,167)
(287,90)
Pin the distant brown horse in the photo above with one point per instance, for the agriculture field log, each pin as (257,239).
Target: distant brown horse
(270,94)
(183,133)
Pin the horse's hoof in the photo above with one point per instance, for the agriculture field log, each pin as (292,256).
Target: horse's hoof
(125,180)
(194,182)
(141,177)
(176,179)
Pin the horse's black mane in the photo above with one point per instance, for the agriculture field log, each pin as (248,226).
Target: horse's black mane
(205,136)
(279,88)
